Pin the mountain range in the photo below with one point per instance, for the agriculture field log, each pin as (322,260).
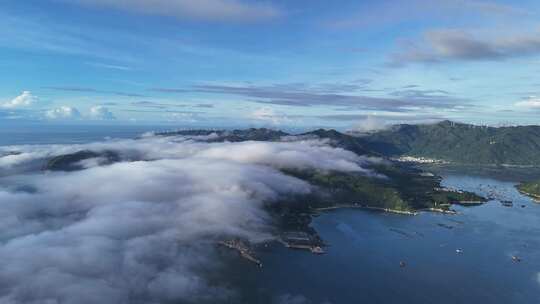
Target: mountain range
(404,188)
(447,141)
(460,143)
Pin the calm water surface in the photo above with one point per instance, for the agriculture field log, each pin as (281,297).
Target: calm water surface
(362,263)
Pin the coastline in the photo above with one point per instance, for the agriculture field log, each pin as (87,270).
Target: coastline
(534,197)
(356,206)
(402,212)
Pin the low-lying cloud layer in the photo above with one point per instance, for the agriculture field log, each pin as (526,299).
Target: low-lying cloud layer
(144,230)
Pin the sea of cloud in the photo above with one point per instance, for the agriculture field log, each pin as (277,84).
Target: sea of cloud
(142,230)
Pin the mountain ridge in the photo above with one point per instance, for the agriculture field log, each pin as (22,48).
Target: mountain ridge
(461,143)
(449,141)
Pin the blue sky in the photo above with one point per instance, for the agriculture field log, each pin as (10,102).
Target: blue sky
(312,63)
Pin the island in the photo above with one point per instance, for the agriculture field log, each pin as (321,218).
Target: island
(388,185)
(531,189)
(74,161)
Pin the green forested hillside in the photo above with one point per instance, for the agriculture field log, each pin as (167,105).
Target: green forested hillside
(461,143)
(531,189)
(454,142)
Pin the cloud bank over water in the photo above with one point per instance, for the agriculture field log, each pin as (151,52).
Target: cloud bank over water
(142,230)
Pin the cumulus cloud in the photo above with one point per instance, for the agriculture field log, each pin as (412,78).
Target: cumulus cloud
(63,112)
(101,113)
(450,45)
(369,124)
(210,10)
(532,102)
(143,230)
(24,100)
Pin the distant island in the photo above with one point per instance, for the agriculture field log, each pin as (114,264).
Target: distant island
(531,189)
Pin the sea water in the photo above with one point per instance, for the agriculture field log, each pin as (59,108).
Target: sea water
(463,258)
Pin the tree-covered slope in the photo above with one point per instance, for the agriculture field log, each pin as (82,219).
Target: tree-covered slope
(397,187)
(531,189)
(461,143)
(355,144)
(449,141)
(257,134)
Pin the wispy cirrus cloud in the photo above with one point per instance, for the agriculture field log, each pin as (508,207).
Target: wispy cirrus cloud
(109,66)
(388,118)
(156,105)
(207,10)
(394,12)
(204,105)
(92,90)
(342,95)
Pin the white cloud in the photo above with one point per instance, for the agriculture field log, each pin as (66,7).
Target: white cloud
(532,102)
(293,154)
(182,116)
(268,115)
(70,113)
(369,124)
(63,112)
(213,10)
(399,11)
(24,100)
(142,230)
(109,66)
(101,113)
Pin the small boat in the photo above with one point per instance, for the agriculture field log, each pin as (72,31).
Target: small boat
(459,250)
(507,203)
(402,264)
(317,250)
(516,258)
